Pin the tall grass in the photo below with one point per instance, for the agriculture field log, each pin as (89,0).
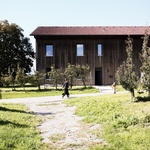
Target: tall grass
(126,125)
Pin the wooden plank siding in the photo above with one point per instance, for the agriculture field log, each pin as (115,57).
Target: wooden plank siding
(102,68)
(113,48)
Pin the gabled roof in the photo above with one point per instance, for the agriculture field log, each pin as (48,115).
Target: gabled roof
(90,30)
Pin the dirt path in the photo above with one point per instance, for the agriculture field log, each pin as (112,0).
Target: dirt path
(62,128)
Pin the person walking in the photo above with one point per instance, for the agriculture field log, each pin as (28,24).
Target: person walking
(65,86)
(114,87)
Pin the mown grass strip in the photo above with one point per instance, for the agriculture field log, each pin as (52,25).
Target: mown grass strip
(7,93)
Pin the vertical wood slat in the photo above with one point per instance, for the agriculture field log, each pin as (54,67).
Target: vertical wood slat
(114,54)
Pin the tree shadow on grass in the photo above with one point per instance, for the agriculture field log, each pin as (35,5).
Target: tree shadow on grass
(142,99)
(6,122)
(83,88)
(12,110)
(37,90)
(52,89)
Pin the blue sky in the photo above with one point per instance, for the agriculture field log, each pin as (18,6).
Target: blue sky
(29,14)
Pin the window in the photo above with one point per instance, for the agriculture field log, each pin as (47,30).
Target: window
(80,50)
(100,50)
(49,50)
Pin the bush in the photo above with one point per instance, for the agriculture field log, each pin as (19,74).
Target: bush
(7,81)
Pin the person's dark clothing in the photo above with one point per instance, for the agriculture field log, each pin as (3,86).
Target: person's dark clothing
(65,86)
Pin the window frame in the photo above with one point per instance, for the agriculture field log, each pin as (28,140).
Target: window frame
(79,53)
(49,52)
(99,50)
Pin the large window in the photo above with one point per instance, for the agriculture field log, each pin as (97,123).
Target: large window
(80,50)
(100,50)
(49,50)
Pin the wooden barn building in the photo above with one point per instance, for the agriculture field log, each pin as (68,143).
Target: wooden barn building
(103,48)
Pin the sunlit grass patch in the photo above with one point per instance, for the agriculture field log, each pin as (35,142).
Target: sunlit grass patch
(125,124)
(75,145)
(7,93)
(18,128)
(57,137)
(48,104)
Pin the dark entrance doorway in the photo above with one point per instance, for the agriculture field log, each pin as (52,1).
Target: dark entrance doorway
(98,76)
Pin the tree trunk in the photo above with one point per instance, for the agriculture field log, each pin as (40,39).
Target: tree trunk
(84,83)
(148,93)
(71,82)
(0,95)
(39,87)
(56,85)
(132,94)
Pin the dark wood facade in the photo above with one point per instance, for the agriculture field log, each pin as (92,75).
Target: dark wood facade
(102,68)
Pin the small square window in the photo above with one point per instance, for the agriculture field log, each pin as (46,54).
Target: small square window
(49,50)
(100,50)
(80,50)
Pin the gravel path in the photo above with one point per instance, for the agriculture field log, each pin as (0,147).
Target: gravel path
(60,126)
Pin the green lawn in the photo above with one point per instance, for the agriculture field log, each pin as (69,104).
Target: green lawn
(18,129)
(18,126)
(126,125)
(7,93)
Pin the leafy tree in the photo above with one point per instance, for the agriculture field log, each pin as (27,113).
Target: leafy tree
(55,75)
(145,68)
(81,72)
(37,79)
(126,74)
(21,78)
(6,81)
(13,77)
(14,48)
(9,79)
(70,73)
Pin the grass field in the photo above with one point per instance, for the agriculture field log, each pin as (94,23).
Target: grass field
(8,93)
(18,126)
(18,129)
(126,125)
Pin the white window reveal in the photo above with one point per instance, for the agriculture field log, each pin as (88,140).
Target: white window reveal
(100,50)
(49,50)
(80,50)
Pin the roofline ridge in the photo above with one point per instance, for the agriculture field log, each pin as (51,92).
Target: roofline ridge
(96,26)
